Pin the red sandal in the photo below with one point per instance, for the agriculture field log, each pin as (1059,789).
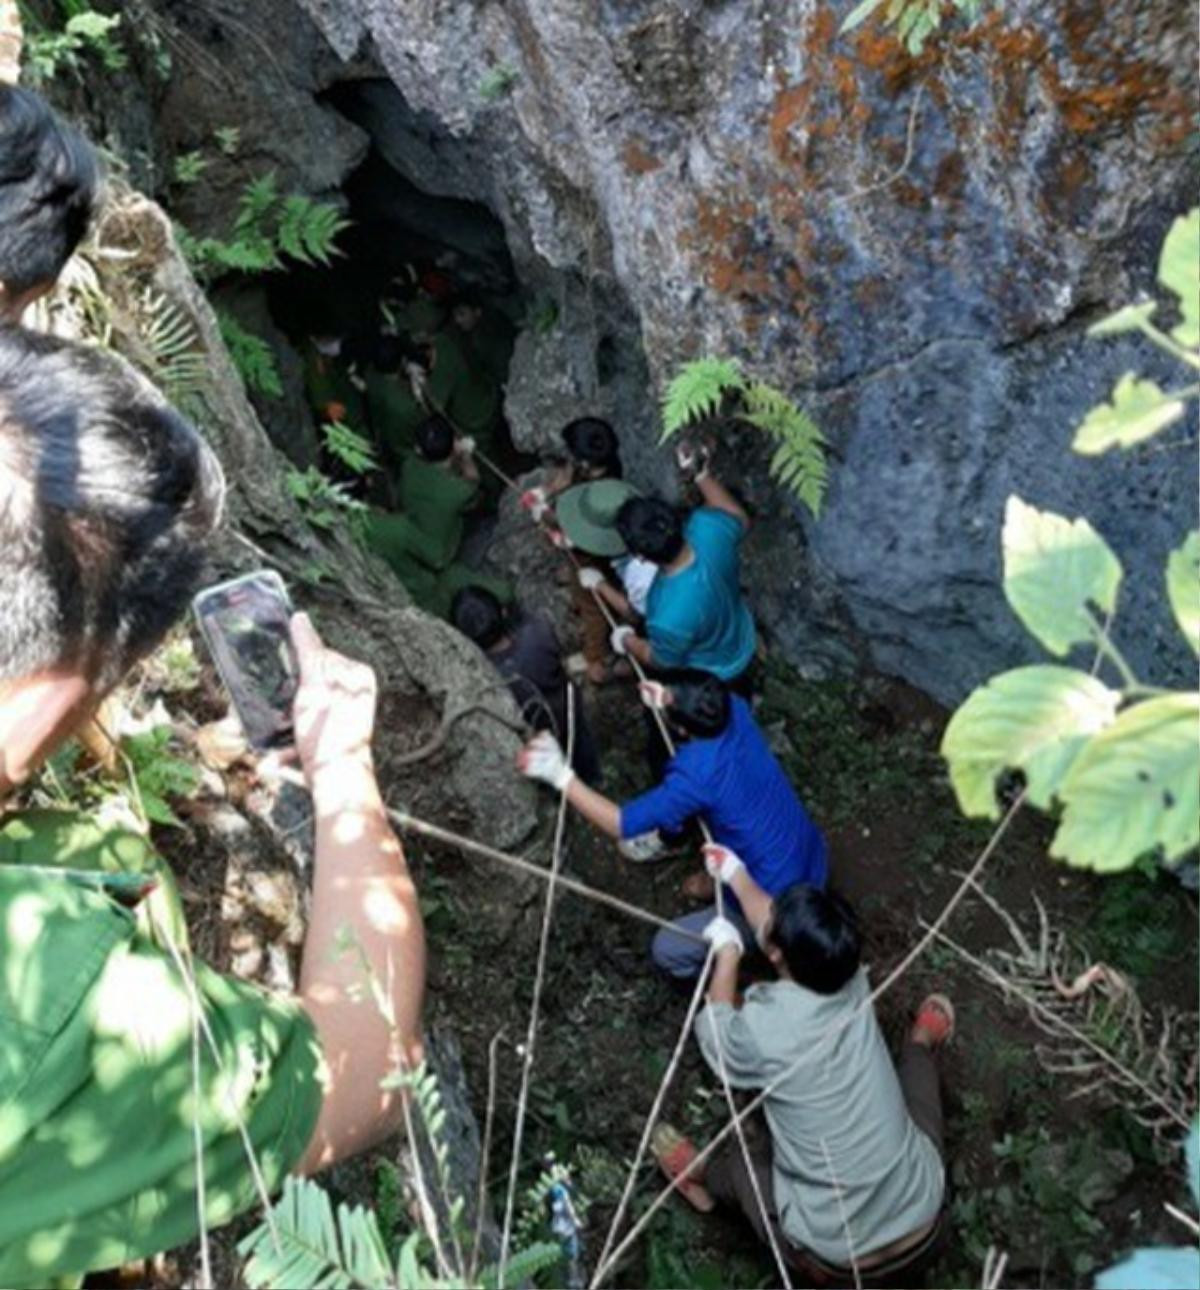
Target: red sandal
(676,1158)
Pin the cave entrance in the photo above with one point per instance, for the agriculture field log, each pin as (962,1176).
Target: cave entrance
(422,277)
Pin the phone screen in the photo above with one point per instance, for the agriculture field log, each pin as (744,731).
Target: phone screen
(246,625)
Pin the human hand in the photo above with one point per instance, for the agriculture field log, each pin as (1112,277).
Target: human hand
(334,709)
(590,579)
(542,758)
(559,539)
(536,502)
(464,445)
(721,863)
(653,694)
(693,459)
(721,934)
(618,639)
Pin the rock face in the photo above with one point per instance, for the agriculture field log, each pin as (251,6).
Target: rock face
(911,246)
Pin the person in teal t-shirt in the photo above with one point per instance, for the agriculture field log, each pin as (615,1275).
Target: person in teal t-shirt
(696,616)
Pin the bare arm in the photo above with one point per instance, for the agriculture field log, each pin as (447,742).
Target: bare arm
(597,809)
(723,986)
(616,600)
(755,902)
(719,497)
(361,885)
(466,465)
(639,647)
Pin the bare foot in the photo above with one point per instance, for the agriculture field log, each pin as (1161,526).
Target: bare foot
(934,1022)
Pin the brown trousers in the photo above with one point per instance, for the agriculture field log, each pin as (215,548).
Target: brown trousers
(728,1180)
(593,626)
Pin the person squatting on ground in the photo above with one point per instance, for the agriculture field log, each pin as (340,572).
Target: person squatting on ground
(106,498)
(581,499)
(696,615)
(526,652)
(847,1149)
(724,772)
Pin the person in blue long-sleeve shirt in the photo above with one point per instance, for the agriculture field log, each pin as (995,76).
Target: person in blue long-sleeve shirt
(722,771)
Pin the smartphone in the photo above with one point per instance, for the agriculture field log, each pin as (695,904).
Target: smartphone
(246,624)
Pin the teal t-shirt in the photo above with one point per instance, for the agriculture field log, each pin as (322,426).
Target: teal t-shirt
(697,617)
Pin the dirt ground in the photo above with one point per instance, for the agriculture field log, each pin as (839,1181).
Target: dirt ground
(1063,1184)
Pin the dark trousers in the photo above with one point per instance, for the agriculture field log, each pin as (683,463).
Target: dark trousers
(728,1180)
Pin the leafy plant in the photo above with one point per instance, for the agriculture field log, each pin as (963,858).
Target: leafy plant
(49,50)
(322,501)
(707,387)
(498,82)
(1123,761)
(914,20)
(159,775)
(228,139)
(267,227)
(252,356)
(169,352)
(188,167)
(352,449)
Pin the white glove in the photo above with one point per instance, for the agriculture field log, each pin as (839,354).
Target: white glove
(722,934)
(618,639)
(465,444)
(692,460)
(418,378)
(536,502)
(590,579)
(653,694)
(721,863)
(543,759)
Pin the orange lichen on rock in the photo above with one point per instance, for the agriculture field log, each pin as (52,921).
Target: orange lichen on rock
(637,160)
(724,243)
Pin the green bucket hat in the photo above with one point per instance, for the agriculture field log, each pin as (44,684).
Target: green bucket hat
(587,514)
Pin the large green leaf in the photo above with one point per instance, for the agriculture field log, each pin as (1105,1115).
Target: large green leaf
(1035,719)
(697,390)
(1183,587)
(1054,568)
(1179,271)
(1134,788)
(1127,318)
(1139,409)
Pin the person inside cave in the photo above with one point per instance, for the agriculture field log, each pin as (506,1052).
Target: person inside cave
(49,189)
(332,386)
(723,771)
(846,1141)
(393,377)
(97,987)
(525,651)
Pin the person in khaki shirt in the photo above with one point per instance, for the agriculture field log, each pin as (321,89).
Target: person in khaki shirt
(847,1150)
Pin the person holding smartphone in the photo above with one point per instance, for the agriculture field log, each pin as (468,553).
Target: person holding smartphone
(98,1105)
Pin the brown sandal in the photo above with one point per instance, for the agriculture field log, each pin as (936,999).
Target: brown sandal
(935,1017)
(676,1156)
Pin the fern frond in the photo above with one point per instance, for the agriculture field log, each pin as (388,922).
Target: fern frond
(799,460)
(523,1266)
(352,449)
(170,354)
(308,230)
(257,199)
(697,391)
(251,355)
(313,1249)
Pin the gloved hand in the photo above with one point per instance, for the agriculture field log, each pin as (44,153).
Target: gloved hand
(543,759)
(590,579)
(721,863)
(464,445)
(722,934)
(692,459)
(653,694)
(536,502)
(618,639)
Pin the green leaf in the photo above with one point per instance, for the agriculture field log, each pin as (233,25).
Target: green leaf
(1127,318)
(697,391)
(1179,272)
(524,1266)
(252,356)
(1139,409)
(1054,568)
(1134,788)
(1183,587)
(858,15)
(1033,719)
(312,1249)
(799,461)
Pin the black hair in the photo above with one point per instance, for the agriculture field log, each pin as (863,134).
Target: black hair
(478,615)
(651,528)
(818,934)
(593,443)
(435,439)
(49,188)
(700,703)
(106,498)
